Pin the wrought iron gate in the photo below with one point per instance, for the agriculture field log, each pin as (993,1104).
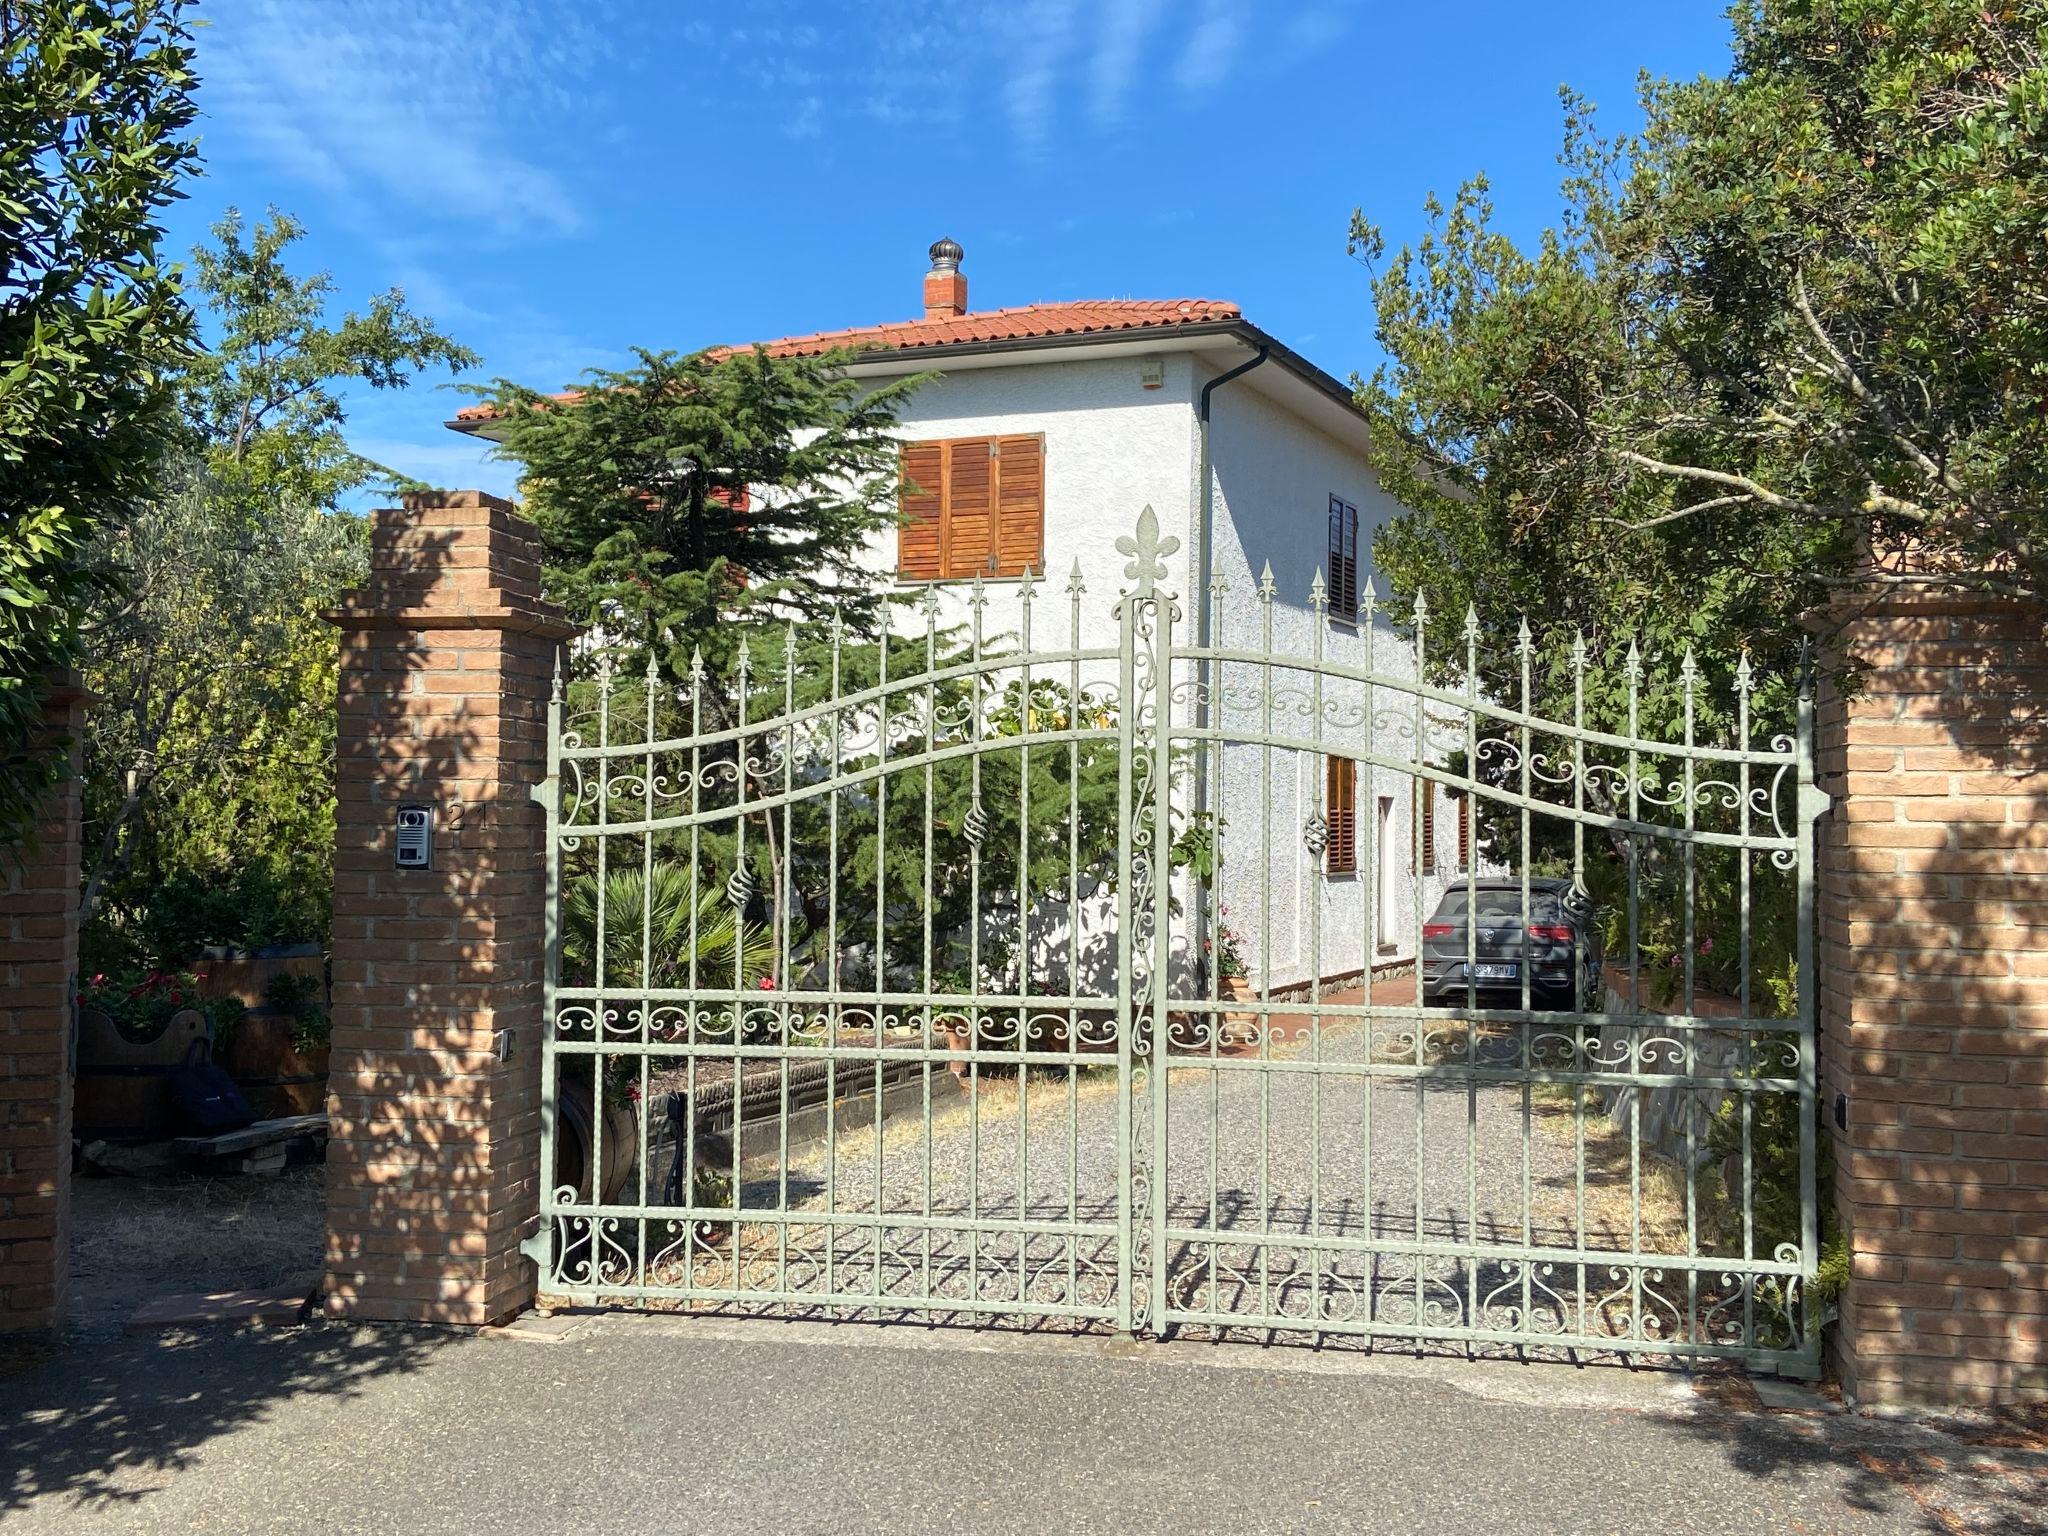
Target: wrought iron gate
(964,974)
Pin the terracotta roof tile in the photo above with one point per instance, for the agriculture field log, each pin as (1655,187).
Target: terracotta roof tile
(1026,322)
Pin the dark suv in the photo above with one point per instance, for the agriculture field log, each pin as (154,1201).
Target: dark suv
(1559,942)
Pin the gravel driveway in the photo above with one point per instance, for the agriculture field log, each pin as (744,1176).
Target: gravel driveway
(1275,1161)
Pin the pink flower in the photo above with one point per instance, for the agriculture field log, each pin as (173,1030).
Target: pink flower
(1674,962)
(767,983)
(99,979)
(1707,945)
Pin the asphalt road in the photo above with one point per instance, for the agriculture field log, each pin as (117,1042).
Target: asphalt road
(735,1426)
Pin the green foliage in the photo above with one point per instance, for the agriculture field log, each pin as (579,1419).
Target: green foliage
(687,936)
(300,997)
(95,112)
(209,780)
(1791,338)
(692,500)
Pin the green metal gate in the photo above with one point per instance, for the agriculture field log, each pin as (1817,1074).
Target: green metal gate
(966,975)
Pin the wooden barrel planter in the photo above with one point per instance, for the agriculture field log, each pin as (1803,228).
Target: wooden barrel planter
(246,974)
(123,1092)
(275,1075)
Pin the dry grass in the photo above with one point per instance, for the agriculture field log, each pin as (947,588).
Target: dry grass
(143,1236)
(1610,1208)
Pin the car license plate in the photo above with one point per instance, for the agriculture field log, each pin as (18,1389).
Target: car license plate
(1506,972)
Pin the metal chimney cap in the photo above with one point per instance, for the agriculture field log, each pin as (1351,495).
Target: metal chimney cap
(946,255)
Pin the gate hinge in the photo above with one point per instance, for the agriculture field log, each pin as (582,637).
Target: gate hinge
(536,1246)
(1813,802)
(540,792)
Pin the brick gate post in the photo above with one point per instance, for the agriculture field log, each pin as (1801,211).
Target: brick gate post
(38,973)
(1934,997)
(447,656)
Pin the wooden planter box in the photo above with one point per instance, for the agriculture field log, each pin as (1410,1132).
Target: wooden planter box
(274,1075)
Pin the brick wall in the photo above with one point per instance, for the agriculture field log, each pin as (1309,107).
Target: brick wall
(38,969)
(448,654)
(1934,999)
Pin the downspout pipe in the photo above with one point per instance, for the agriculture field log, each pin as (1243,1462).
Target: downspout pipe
(1205,560)
(1205,533)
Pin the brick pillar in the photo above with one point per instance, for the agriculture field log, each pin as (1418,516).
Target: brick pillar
(447,654)
(38,975)
(1934,998)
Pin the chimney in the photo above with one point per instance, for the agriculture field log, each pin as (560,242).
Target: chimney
(945,290)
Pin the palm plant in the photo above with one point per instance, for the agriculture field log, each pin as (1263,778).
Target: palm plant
(657,908)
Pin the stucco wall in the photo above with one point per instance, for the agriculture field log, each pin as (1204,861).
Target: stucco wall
(1273,475)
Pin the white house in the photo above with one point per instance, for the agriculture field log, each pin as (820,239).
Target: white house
(1048,427)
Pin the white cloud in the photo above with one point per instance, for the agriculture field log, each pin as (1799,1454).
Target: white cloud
(1040,40)
(1119,53)
(1211,46)
(390,101)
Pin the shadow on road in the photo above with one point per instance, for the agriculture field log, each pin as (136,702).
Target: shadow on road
(112,1422)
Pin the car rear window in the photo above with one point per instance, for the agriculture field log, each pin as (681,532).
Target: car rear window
(1497,904)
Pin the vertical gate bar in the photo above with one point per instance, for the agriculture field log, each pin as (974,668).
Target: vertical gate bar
(1525,648)
(737,898)
(1472,928)
(975,602)
(1024,932)
(1812,803)
(646,1062)
(833,1014)
(693,1011)
(1073,1241)
(1747,1067)
(1579,1053)
(881,909)
(1635,1033)
(928,1031)
(1318,616)
(1127,747)
(1160,852)
(1213,715)
(594,1169)
(1415,922)
(1689,1101)
(1265,1030)
(1369,939)
(785,895)
(549,793)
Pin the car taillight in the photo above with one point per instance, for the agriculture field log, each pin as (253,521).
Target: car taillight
(1555,933)
(1436,930)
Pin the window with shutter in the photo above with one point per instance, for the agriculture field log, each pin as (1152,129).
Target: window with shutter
(972,506)
(1464,832)
(1340,810)
(1343,559)
(1425,826)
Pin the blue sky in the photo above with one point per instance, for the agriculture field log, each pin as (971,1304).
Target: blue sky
(558,182)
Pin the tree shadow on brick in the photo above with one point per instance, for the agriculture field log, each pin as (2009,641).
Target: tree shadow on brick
(114,1424)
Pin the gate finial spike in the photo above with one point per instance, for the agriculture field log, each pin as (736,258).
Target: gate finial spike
(1525,642)
(1421,610)
(1633,666)
(1369,596)
(1266,582)
(746,655)
(789,640)
(977,595)
(1745,675)
(696,663)
(838,620)
(1318,594)
(1472,622)
(1074,584)
(607,667)
(1688,668)
(653,670)
(1579,649)
(555,688)
(1025,583)
(929,607)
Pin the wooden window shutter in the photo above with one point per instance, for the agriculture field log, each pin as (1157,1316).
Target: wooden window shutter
(1343,559)
(969,524)
(919,553)
(1020,506)
(1425,823)
(1465,831)
(1340,810)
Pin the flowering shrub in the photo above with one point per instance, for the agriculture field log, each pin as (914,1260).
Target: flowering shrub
(141,1003)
